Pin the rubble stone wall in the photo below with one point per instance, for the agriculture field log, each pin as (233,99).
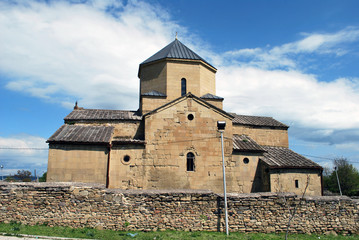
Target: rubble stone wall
(84,205)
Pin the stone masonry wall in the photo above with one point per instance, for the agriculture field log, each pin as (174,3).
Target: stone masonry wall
(264,136)
(83,205)
(90,165)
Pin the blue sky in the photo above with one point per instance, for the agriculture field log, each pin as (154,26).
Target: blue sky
(296,61)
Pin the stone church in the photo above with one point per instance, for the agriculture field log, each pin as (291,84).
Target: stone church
(172,140)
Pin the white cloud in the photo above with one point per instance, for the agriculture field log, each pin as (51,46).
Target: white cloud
(23,141)
(58,49)
(291,96)
(321,43)
(348,146)
(283,55)
(245,52)
(23,152)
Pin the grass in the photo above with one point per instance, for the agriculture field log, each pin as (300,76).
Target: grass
(14,228)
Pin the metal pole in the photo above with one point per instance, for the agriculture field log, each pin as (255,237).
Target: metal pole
(340,190)
(2,175)
(224,186)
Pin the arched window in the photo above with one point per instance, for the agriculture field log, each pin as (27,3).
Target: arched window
(183,86)
(190,161)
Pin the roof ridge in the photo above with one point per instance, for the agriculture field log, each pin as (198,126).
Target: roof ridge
(84,109)
(276,147)
(102,114)
(245,115)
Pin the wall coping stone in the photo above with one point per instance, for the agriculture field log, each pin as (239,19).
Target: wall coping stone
(328,198)
(159,192)
(50,185)
(260,195)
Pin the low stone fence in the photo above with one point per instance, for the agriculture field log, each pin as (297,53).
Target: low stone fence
(85,205)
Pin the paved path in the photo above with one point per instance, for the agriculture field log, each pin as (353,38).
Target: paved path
(17,238)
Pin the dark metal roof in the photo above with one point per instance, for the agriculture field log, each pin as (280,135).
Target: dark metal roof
(245,143)
(101,114)
(175,50)
(154,93)
(82,134)
(211,96)
(281,157)
(257,121)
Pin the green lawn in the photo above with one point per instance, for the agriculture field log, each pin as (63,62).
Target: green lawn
(17,229)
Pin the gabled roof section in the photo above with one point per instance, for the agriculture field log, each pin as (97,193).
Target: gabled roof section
(190,95)
(175,50)
(154,93)
(281,157)
(211,96)
(245,144)
(84,115)
(257,121)
(82,134)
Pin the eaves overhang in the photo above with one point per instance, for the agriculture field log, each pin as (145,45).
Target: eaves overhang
(295,167)
(202,62)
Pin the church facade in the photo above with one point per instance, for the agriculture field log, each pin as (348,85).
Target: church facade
(172,140)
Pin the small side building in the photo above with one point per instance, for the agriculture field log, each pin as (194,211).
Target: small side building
(172,142)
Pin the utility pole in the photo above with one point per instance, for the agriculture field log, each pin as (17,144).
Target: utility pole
(340,189)
(221,125)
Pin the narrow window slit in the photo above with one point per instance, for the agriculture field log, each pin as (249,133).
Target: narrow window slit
(183,86)
(190,162)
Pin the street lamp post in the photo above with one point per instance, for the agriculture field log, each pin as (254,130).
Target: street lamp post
(221,125)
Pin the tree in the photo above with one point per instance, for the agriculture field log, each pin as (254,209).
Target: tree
(348,177)
(23,175)
(10,179)
(43,178)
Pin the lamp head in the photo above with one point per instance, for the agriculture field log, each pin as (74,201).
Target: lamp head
(221,125)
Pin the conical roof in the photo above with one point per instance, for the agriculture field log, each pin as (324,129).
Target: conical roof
(175,50)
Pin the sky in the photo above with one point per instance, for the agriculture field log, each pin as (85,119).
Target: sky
(296,61)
